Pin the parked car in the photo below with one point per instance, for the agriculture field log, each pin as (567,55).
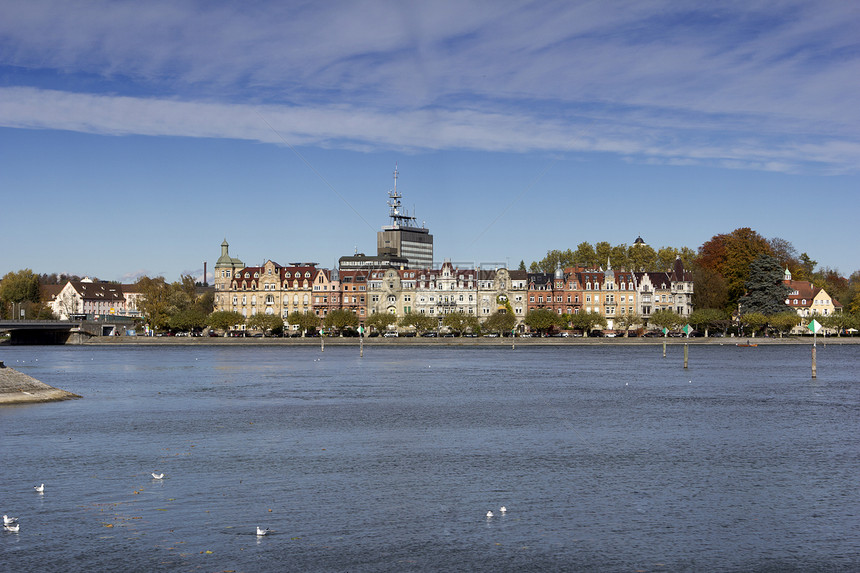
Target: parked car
(391,334)
(429,335)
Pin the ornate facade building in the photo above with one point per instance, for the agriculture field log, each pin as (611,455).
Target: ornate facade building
(612,293)
(447,290)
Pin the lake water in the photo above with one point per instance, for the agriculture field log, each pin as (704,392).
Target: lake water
(608,458)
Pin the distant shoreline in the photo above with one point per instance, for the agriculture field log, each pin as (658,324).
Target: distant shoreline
(458,341)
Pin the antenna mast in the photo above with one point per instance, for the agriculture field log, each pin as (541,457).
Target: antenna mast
(399,216)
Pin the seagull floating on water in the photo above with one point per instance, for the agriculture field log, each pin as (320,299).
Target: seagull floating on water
(13,528)
(157,476)
(262,531)
(9,520)
(503,509)
(39,488)
(489,514)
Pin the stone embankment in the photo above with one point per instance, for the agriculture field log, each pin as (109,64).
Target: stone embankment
(19,388)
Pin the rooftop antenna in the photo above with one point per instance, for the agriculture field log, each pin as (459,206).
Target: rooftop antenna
(399,217)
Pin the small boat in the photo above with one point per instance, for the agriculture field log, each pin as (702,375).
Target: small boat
(746,344)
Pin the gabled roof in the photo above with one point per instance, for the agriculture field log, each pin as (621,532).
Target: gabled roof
(98,291)
(47,293)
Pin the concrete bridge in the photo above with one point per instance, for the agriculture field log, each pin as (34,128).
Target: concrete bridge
(54,331)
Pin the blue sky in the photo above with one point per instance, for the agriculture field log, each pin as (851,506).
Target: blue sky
(136,136)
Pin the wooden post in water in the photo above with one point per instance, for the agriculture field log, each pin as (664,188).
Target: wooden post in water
(686,351)
(814,365)
(360,344)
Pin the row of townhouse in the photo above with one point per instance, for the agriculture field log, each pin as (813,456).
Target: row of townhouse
(302,287)
(612,293)
(282,290)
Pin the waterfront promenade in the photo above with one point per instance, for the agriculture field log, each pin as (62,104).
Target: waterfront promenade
(457,341)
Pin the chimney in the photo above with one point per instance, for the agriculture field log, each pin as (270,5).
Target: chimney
(205,283)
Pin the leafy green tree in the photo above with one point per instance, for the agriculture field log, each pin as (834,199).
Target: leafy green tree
(460,321)
(688,257)
(854,305)
(603,251)
(188,319)
(266,322)
(754,321)
(784,321)
(585,255)
(554,258)
(641,258)
(500,322)
(765,290)
(587,321)
(619,255)
(541,319)
(626,321)
(707,318)
(838,321)
(710,289)
(19,287)
(155,301)
(304,320)
(224,320)
(380,321)
(339,319)
(805,269)
(665,318)
(421,322)
(666,258)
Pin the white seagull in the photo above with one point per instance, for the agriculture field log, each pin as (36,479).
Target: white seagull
(13,528)
(9,520)
(157,476)
(262,531)
(489,514)
(39,488)
(503,509)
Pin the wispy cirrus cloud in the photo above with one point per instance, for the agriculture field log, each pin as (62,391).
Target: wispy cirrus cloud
(768,86)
